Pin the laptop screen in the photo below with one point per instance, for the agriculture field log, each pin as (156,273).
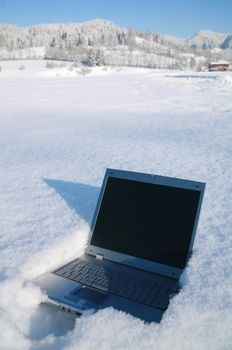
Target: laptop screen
(146,220)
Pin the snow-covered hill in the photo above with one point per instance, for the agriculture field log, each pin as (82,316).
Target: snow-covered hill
(101,42)
(227,44)
(206,39)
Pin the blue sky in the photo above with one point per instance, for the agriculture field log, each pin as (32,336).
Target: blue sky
(182,18)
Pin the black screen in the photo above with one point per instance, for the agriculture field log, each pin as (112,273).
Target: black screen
(146,220)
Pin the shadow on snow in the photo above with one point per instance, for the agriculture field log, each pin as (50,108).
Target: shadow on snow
(80,197)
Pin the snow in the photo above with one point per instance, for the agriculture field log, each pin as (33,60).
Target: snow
(227,79)
(220,62)
(207,38)
(57,136)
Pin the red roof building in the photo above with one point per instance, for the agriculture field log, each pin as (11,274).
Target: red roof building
(219,66)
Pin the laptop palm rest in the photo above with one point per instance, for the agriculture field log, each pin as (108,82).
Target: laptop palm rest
(87,297)
(91,295)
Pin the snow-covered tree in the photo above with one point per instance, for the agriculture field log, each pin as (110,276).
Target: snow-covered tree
(102,42)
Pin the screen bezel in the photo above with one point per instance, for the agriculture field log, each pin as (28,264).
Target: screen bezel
(148,265)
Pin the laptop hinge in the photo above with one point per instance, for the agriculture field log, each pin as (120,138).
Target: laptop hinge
(99,256)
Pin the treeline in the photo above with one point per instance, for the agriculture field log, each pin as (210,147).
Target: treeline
(101,42)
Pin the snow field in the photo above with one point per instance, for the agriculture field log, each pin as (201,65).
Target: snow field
(57,136)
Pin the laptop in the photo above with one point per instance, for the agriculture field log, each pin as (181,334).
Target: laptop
(140,240)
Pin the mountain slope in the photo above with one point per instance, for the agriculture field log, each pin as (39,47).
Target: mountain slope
(206,39)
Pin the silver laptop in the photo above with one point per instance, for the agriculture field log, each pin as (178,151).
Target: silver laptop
(140,241)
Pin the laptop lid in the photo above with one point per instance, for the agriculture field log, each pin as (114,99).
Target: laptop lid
(146,221)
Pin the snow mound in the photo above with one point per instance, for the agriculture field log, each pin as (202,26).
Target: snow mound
(227,79)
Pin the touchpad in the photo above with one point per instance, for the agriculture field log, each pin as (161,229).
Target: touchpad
(91,295)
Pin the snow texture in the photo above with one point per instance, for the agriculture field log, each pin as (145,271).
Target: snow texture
(207,39)
(58,134)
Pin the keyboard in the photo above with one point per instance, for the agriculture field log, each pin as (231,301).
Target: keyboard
(119,282)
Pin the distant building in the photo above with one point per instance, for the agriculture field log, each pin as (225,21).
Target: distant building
(219,66)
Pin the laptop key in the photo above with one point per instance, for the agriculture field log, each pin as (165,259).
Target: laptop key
(152,295)
(100,286)
(136,294)
(162,299)
(128,293)
(146,291)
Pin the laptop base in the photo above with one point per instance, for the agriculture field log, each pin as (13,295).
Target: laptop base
(74,297)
